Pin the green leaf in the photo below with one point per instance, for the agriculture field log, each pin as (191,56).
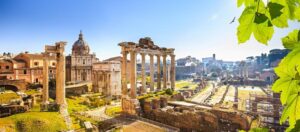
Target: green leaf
(263,29)
(290,7)
(280,84)
(292,111)
(288,85)
(297,127)
(259,130)
(278,18)
(240,2)
(245,2)
(292,41)
(246,24)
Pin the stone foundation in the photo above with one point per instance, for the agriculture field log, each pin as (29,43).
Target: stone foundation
(194,119)
(130,106)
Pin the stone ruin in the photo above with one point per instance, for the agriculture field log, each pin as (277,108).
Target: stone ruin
(58,51)
(192,118)
(145,46)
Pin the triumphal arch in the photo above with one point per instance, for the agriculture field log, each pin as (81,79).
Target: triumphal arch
(58,51)
(144,47)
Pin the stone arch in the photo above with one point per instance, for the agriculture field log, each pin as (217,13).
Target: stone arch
(10,87)
(19,84)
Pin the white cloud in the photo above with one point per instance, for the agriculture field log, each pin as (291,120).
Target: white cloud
(214,17)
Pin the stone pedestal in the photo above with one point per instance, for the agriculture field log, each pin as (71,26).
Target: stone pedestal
(130,106)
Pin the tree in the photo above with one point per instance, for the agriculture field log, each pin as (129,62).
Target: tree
(260,18)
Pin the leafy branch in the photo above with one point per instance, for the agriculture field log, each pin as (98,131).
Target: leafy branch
(260,18)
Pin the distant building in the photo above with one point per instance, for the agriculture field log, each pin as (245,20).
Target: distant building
(80,63)
(276,55)
(188,67)
(26,66)
(107,78)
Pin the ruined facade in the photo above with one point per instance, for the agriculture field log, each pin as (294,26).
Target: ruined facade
(145,46)
(107,78)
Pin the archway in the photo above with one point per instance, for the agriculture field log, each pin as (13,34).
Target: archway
(10,87)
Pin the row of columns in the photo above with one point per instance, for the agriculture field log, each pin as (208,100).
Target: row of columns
(132,79)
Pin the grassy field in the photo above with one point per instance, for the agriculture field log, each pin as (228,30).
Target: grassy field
(244,94)
(113,110)
(32,91)
(6,97)
(33,122)
(185,85)
(76,104)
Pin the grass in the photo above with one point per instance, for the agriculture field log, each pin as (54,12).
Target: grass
(113,111)
(185,85)
(76,104)
(32,91)
(33,122)
(5,98)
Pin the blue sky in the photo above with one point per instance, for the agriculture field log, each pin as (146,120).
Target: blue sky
(193,27)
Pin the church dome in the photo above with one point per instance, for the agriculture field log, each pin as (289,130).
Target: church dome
(80,47)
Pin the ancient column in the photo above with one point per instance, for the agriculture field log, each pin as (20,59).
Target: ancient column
(143,90)
(133,74)
(45,79)
(164,71)
(158,73)
(124,73)
(60,75)
(173,74)
(151,73)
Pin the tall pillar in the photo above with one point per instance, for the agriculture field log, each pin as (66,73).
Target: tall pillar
(173,72)
(124,73)
(158,73)
(151,73)
(60,75)
(143,90)
(45,79)
(164,71)
(133,74)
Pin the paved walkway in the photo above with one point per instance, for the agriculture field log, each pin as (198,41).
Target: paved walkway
(97,114)
(203,95)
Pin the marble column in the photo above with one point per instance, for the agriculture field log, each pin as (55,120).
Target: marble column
(45,79)
(133,74)
(124,73)
(158,73)
(173,74)
(144,89)
(164,71)
(60,76)
(151,73)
